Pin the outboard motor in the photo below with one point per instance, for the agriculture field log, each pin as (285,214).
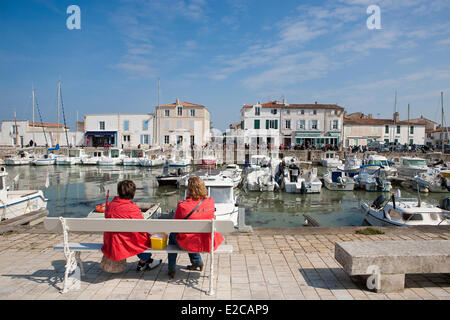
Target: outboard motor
(378,202)
(379,183)
(445,183)
(303,188)
(445,204)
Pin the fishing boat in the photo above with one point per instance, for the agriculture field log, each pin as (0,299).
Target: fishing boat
(134,159)
(260,180)
(113,158)
(18,202)
(92,160)
(171,178)
(434,180)
(76,156)
(337,180)
(380,162)
(330,159)
(220,188)
(152,161)
(233,172)
(307,182)
(21,159)
(148,209)
(179,159)
(351,165)
(398,211)
(369,180)
(409,167)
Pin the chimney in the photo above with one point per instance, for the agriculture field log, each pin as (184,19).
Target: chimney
(315,102)
(396,119)
(285,102)
(178,101)
(369,116)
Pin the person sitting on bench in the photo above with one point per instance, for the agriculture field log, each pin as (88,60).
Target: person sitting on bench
(197,206)
(118,246)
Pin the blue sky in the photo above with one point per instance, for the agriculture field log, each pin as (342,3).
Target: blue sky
(223,54)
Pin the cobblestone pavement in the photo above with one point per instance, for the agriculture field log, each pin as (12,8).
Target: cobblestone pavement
(267,264)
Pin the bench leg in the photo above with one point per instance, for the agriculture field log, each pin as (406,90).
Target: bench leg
(80,263)
(390,283)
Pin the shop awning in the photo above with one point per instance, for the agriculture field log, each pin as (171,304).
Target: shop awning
(100,133)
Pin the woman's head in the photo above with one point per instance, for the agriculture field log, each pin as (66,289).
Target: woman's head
(126,189)
(197,188)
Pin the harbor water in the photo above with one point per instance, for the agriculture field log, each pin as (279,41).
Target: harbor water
(73,191)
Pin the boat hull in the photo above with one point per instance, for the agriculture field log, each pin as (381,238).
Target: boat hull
(22,202)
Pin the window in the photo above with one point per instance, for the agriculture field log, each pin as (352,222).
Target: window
(271,124)
(335,124)
(273,111)
(192,140)
(15,129)
(287,124)
(166,140)
(286,111)
(257,124)
(301,111)
(102,125)
(145,125)
(220,194)
(332,112)
(257,111)
(411,141)
(180,111)
(126,125)
(398,129)
(126,138)
(411,130)
(386,129)
(192,111)
(145,139)
(167,113)
(300,124)
(314,124)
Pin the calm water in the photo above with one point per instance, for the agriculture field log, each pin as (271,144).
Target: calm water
(75,191)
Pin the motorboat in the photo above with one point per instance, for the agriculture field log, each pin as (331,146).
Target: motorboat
(179,159)
(148,209)
(370,180)
(307,182)
(258,161)
(380,162)
(153,161)
(220,188)
(18,202)
(47,159)
(260,180)
(409,167)
(398,211)
(330,159)
(351,165)
(337,180)
(171,178)
(134,159)
(75,156)
(434,180)
(233,172)
(92,160)
(21,159)
(208,158)
(114,158)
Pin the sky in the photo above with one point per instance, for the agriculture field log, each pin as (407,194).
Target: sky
(223,54)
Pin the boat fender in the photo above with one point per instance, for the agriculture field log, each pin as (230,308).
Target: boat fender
(101,207)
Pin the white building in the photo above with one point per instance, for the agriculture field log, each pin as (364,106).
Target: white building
(21,133)
(119,130)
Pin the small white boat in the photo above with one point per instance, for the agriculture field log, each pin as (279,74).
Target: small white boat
(372,180)
(260,180)
(21,159)
(114,158)
(399,211)
(178,159)
(92,160)
(173,178)
(75,156)
(434,180)
(233,172)
(134,159)
(330,159)
(208,158)
(410,167)
(18,202)
(337,180)
(307,182)
(258,161)
(47,159)
(351,165)
(148,209)
(153,161)
(380,162)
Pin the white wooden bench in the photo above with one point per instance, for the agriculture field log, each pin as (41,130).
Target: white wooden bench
(72,251)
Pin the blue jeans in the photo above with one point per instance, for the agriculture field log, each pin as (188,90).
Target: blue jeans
(144,256)
(172,257)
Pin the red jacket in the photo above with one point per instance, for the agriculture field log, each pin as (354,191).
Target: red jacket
(121,245)
(197,242)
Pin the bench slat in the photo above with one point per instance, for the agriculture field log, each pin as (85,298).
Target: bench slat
(86,247)
(138,225)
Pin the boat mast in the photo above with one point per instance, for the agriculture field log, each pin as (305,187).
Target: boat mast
(442,121)
(59,89)
(15,129)
(33,98)
(409,132)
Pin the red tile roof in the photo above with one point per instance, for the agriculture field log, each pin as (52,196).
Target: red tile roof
(380,122)
(47,125)
(184,104)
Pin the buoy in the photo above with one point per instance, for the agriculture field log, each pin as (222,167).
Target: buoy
(101,207)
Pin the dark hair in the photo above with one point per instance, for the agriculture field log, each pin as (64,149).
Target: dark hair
(126,189)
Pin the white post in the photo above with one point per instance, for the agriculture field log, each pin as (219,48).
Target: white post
(211,273)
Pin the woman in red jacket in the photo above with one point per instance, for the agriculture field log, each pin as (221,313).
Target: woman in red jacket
(197,206)
(121,245)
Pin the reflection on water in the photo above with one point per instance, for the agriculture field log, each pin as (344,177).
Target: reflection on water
(74,191)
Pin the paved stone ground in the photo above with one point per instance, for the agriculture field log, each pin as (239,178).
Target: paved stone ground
(267,264)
